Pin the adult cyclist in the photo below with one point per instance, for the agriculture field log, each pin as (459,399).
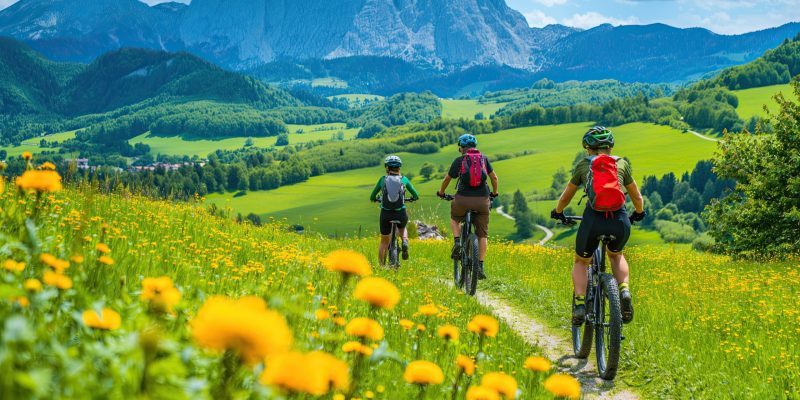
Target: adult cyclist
(392,188)
(472,193)
(600,141)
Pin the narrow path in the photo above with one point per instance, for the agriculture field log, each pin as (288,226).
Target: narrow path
(548,234)
(555,347)
(701,136)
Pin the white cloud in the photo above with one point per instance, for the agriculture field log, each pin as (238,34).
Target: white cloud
(550,3)
(538,19)
(592,19)
(6,3)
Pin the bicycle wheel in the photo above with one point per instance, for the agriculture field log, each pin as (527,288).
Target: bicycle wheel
(608,334)
(394,261)
(457,278)
(471,272)
(582,341)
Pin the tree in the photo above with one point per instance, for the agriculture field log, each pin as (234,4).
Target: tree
(520,204)
(248,142)
(760,218)
(283,140)
(560,179)
(427,170)
(479,116)
(524,224)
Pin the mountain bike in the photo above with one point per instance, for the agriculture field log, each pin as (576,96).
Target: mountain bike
(393,252)
(465,268)
(603,313)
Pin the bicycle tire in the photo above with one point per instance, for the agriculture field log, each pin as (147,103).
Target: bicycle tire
(394,261)
(608,340)
(457,274)
(582,341)
(472,251)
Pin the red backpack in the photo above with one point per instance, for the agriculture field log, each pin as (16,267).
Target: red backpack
(473,165)
(602,184)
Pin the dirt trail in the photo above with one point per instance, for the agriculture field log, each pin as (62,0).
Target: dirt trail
(555,348)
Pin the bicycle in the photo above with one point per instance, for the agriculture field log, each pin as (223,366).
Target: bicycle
(393,251)
(465,268)
(602,295)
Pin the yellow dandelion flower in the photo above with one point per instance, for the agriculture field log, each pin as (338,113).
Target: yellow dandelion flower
(339,321)
(347,262)
(108,319)
(466,364)
(406,324)
(22,301)
(57,280)
(448,332)
(27,155)
(357,347)
(244,325)
(482,393)
(103,248)
(378,292)
(40,181)
(484,325)
(364,327)
(13,266)
(32,285)
(106,260)
(504,384)
(538,364)
(421,328)
(562,385)
(47,165)
(160,293)
(423,372)
(53,262)
(315,373)
(77,259)
(428,310)
(322,315)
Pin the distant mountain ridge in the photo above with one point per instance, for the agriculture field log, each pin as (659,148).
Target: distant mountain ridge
(455,46)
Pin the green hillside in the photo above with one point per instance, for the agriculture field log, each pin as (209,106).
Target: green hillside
(752,101)
(337,202)
(468,108)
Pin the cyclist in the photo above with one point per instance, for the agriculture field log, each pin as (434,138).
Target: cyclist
(472,193)
(392,188)
(598,141)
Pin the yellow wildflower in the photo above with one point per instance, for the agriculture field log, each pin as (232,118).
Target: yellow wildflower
(27,155)
(108,319)
(53,262)
(428,310)
(364,327)
(322,315)
(562,385)
(352,347)
(347,262)
(482,393)
(504,384)
(538,364)
(160,292)
(406,324)
(103,248)
(315,373)
(106,260)
(448,332)
(57,280)
(77,259)
(378,292)
(423,372)
(244,325)
(32,285)
(466,364)
(47,165)
(40,181)
(13,266)
(484,325)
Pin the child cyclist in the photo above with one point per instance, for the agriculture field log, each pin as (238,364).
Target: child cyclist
(392,190)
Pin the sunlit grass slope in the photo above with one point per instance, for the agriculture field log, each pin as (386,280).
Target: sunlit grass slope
(752,101)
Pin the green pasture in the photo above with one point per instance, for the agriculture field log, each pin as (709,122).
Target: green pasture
(337,203)
(32,145)
(186,146)
(468,108)
(357,97)
(752,101)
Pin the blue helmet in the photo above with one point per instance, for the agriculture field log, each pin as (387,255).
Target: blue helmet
(467,140)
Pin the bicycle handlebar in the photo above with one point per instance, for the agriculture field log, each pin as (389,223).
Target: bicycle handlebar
(409,200)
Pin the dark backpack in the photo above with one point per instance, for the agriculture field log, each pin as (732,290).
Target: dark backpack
(602,184)
(393,192)
(473,169)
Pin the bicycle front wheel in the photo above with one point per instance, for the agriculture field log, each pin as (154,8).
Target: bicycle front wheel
(608,332)
(471,271)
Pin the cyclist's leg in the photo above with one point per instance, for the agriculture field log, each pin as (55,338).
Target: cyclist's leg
(481,205)
(458,213)
(585,244)
(620,227)
(383,247)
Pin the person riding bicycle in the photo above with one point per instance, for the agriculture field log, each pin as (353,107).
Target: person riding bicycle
(598,142)
(472,193)
(392,189)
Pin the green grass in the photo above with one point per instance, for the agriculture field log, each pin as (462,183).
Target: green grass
(752,101)
(32,145)
(338,203)
(181,146)
(331,82)
(704,327)
(357,96)
(468,108)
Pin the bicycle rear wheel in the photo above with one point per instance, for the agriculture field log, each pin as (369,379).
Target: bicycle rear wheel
(394,261)
(582,341)
(608,333)
(471,272)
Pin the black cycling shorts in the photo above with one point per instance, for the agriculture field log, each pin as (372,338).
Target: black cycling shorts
(596,223)
(388,215)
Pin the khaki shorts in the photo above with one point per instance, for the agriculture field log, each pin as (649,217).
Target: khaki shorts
(461,204)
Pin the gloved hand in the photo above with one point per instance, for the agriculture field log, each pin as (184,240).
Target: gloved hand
(440,195)
(636,217)
(494,195)
(558,215)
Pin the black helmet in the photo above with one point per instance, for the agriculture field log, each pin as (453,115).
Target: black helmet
(599,137)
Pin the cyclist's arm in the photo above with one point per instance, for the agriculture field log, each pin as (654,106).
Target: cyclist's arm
(636,197)
(445,183)
(567,196)
(493,178)
(411,189)
(374,195)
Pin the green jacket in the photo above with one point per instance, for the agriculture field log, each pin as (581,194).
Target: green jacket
(379,187)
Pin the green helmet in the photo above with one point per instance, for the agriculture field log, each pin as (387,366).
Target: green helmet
(599,137)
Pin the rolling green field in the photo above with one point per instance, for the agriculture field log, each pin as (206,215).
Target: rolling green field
(357,97)
(338,203)
(468,108)
(752,101)
(32,145)
(180,146)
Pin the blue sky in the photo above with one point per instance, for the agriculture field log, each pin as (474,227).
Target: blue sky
(721,16)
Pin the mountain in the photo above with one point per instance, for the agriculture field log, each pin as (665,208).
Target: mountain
(655,53)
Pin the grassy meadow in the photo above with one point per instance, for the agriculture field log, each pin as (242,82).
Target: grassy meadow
(752,101)
(32,145)
(154,299)
(467,109)
(337,203)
